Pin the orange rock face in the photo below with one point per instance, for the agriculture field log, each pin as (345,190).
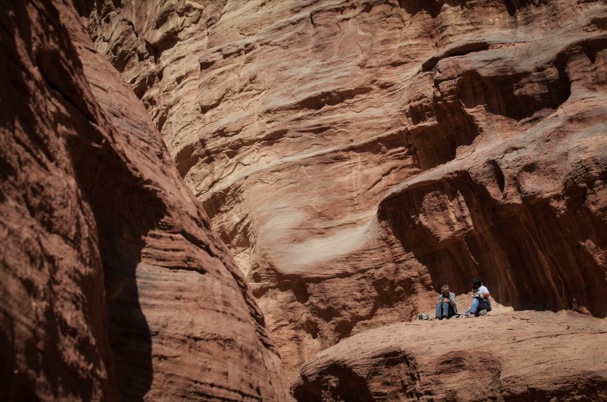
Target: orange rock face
(355,156)
(113,284)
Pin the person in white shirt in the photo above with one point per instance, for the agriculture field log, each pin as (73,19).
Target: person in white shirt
(481,303)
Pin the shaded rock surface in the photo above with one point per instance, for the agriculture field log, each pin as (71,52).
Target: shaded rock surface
(113,285)
(356,155)
(511,356)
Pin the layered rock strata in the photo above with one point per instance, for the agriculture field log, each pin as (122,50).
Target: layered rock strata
(356,155)
(113,285)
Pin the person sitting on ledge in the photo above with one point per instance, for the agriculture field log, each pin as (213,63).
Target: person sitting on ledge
(480,299)
(446,306)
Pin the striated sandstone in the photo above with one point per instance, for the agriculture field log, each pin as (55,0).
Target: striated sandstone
(512,356)
(114,286)
(355,155)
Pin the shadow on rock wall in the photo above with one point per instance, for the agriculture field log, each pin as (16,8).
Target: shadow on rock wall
(530,255)
(125,212)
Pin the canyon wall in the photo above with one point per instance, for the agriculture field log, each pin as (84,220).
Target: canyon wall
(113,285)
(356,155)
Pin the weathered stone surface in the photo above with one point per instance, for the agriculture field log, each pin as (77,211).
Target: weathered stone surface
(356,155)
(512,356)
(113,284)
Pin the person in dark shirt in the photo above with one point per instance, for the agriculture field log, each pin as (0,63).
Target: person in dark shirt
(446,306)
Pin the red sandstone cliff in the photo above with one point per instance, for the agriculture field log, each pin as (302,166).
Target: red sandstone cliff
(356,155)
(112,284)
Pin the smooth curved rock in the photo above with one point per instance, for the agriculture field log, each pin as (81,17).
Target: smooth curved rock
(113,284)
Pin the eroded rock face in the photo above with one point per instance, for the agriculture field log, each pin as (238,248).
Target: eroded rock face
(516,356)
(356,155)
(113,284)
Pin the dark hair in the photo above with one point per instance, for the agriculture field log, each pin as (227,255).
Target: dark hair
(476,282)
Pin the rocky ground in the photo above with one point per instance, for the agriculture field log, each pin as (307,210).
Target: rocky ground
(504,356)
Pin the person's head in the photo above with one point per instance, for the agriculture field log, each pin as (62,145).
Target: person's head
(444,289)
(476,283)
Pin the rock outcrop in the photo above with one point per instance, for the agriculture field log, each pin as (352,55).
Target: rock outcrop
(520,356)
(114,286)
(356,155)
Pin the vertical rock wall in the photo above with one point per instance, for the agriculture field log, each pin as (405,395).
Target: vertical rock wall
(354,155)
(54,322)
(113,284)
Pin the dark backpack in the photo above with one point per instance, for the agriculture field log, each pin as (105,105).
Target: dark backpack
(484,304)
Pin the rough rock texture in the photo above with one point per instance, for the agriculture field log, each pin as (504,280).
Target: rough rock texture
(355,155)
(520,356)
(113,286)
